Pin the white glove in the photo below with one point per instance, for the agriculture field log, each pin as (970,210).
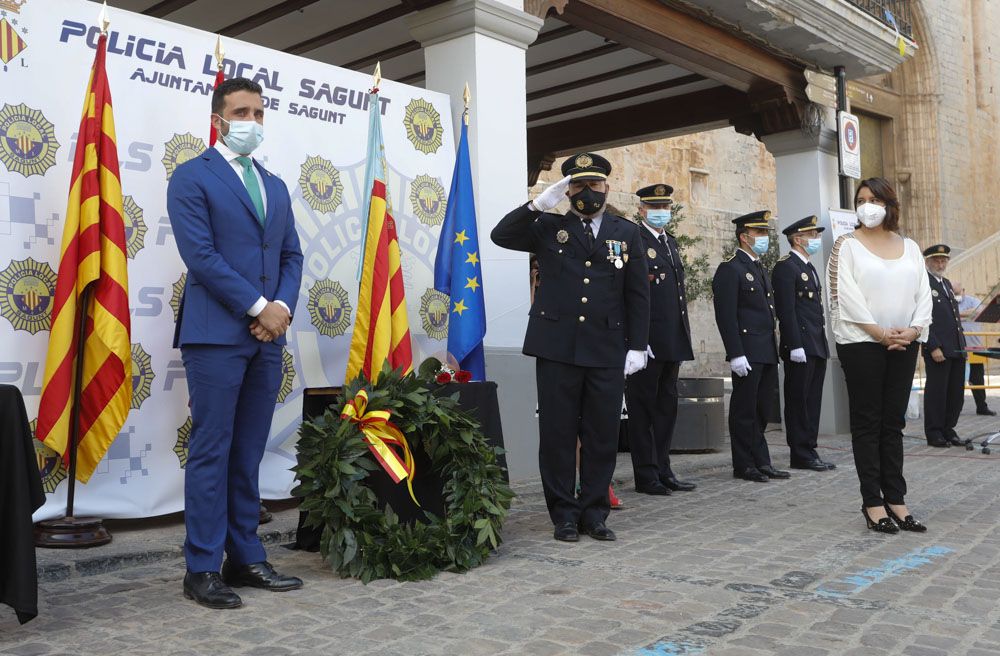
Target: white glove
(552,196)
(634,361)
(649,353)
(798,355)
(740,366)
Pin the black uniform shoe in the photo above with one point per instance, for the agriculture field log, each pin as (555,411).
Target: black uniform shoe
(677,485)
(815,465)
(601,532)
(751,474)
(986,412)
(566,532)
(656,488)
(207,589)
(771,472)
(258,575)
(938,442)
(829,465)
(955,440)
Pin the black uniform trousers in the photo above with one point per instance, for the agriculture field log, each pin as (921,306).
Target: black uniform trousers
(651,398)
(944,396)
(585,403)
(977,376)
(878,387)
(803,401)
(749,407)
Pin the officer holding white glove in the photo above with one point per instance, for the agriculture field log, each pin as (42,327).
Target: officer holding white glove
(589,319)
(804,351)
(744,313)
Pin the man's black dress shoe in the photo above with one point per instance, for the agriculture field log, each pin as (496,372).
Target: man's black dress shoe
(829,465)
(771,472)
(938,442)
(656,488)
(815,465)
(601,532)
(208,589)
(751,474)
(677,485)
(566,532)
(258,575)
(955,440)
(986,412)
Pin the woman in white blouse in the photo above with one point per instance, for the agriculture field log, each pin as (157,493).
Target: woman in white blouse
(880,306)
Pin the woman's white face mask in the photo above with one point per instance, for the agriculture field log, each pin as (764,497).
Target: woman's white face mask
(870,215)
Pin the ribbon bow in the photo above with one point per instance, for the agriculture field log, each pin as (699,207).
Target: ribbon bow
(381,435)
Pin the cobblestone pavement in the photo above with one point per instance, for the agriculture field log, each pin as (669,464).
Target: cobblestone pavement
(733,568)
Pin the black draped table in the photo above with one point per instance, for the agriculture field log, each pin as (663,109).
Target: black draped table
(21,495)
(478,399)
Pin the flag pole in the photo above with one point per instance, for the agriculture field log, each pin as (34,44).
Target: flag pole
(71,531)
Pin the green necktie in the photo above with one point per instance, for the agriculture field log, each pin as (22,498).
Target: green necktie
(253,188)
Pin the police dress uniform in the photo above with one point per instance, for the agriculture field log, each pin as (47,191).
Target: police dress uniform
(944,387)
(651,394)
(798,304)
(744,313)
(593,306)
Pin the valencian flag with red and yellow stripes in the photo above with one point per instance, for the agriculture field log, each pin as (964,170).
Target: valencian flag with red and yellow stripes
(381,328)
(93,253)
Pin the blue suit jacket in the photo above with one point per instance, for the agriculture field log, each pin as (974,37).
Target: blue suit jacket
(231,260)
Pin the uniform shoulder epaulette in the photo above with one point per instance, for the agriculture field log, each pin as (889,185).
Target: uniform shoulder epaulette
(730,258)
(784,257)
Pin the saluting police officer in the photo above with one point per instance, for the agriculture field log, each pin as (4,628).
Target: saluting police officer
(744,312)
(589,319)
(651,394)
(803,348)
(944,355)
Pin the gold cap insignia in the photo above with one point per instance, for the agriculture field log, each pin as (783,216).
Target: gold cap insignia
(583,161)
(767,215)
(940,249)
(660,190)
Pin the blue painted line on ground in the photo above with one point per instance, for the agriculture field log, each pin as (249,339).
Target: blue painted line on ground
(670,648)
(855,583)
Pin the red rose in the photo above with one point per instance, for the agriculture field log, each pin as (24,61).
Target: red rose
(444,377)
(463,376)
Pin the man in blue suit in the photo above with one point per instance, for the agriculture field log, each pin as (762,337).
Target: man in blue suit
(235,231)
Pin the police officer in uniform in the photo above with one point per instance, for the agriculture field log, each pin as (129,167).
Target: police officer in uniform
(944,355)
(587,322)
(804,350)
(651,394)
(744,312)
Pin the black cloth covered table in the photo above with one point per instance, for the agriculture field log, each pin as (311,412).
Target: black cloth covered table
(21,494)
(478,399)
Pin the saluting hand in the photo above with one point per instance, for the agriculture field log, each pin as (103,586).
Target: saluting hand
(552,196)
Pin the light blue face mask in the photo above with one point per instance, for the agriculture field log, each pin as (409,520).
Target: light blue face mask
(658,218)
(243,136)
(761,244)
(813,245)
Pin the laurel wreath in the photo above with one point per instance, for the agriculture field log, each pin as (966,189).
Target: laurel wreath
(361,540)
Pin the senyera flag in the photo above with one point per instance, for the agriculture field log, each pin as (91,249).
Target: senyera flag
(93,254)
(381,328)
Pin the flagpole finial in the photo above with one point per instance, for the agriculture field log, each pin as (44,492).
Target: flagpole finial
(377,76)
(220,52)
(467,97)
(102,18)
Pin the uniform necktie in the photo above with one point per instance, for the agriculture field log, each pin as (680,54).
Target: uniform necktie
(253,187)
(588,232)
(663,240)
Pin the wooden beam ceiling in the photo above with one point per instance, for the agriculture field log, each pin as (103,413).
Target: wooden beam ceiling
(621,95)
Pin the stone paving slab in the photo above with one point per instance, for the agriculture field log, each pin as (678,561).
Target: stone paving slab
(734,568)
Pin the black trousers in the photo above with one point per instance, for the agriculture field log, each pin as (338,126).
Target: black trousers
(651,397)
(803,401)
(584,402)
(977,376)
(878,388)
(749,408)
(944,396)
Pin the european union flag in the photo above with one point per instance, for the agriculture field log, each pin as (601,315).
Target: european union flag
(458,271)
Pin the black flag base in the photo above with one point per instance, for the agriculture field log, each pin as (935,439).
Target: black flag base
(71,533)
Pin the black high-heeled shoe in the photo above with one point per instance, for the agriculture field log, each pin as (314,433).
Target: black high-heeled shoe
(907,523)
(883,525)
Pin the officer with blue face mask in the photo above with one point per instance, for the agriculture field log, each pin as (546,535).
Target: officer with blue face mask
(744,313)
(804,350)
(651,394)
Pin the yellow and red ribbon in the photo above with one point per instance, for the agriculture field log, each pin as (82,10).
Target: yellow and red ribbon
(381,435)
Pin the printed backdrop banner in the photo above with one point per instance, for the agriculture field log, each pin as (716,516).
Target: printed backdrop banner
(161,77)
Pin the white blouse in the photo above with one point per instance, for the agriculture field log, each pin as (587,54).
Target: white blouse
(865,288)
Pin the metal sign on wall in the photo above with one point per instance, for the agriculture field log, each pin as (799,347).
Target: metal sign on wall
(849,133)
(161,77)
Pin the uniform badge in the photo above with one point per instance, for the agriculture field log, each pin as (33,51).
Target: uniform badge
(651,253)
(749,276)
(618,264)
(624,247)
(579,205)
(805,276)
(663,276)
(562,236)
(934,293)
